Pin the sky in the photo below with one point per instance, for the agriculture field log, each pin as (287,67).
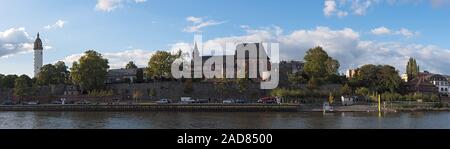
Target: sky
(355,32)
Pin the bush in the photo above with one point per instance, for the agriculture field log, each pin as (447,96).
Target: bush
(362,91)
(392,97)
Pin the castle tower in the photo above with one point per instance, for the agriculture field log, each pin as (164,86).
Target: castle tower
(38,55)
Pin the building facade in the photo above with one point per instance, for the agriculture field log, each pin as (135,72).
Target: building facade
(351,73)
(440,82)
(121,75)
(429,80)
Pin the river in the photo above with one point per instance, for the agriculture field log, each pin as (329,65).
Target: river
(173,120)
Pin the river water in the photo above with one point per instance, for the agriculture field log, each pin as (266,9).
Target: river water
(173,120)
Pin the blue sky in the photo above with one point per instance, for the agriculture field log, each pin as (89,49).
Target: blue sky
(356,32)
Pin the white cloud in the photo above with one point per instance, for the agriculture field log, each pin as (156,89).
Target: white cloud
(15,41)
(140,1)
(407,33)
(342,8)
(402,32)
(118,59)
(360,7)
(381,31)
(330,7)
(197,23)
(58,24)
(111,5)
(345,45)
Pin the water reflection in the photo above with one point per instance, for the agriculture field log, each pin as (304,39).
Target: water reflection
(263,120)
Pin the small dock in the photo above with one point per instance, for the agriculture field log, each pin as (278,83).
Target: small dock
(158,108)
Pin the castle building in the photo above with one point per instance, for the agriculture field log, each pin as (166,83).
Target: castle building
(253,59)
(38,55)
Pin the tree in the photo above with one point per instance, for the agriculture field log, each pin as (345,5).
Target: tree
(160,64)
(63,74)
(346,90)
(378,78)
(27,79)
(47,75)
(318,64)
(2,76)
(242,84)
(313,84)
(90,71)
(297,78)
(412,69)
(221,86)
(9,81)
(139,76)
(131,65)
(53,74)
(362,91)
(188,86)
(331,98)
(21,87)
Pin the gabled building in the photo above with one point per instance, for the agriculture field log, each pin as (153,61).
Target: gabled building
(198,61)
(420,85)
(121,75)
(425,80)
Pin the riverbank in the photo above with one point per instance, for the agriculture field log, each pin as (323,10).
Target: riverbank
(372,108)
(158,108)
(216,108)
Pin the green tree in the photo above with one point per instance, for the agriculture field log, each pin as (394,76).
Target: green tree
(346,90)
(313,84)
(90,71)
(378,78)
(160,64)
(412,69)
(63,74)
(47,75)
(53,74)
(27,79)
(362,91)
(9,81)
(139,75)
(318,64)
(21,87)
(221,86)
(131,65)
(297,78)
(242,84)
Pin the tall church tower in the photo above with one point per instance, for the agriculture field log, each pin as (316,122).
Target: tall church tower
(38,54)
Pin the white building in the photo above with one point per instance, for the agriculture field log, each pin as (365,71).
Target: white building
(38,55)
(440,82)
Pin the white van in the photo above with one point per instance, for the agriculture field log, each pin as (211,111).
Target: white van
(187,100)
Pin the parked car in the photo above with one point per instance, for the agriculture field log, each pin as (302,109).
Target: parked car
(56,102)
(8,102)
(268,100)
(241,101)
(202,101)
(32,103)
(164,101)
(83,102)
(229,101)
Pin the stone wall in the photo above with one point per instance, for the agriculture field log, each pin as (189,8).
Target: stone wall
(175,90)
